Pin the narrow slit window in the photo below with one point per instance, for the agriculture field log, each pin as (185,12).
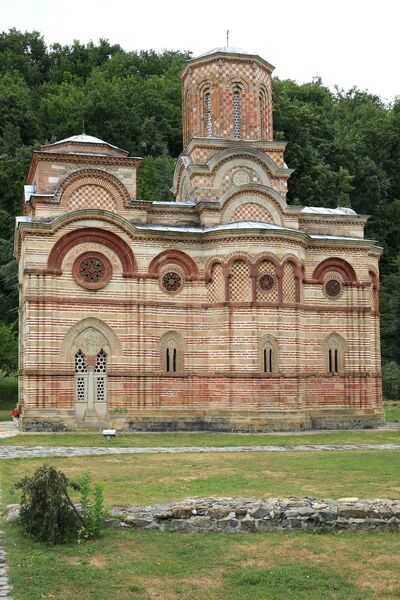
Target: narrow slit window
(265,360)
(174,361)
(236,114)
(336,361)
(330,361)
(167,360)
(270,361)
(262,112)
(207,113)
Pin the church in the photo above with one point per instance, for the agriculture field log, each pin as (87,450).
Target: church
(224,310)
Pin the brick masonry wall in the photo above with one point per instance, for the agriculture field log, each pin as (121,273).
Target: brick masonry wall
(245,323)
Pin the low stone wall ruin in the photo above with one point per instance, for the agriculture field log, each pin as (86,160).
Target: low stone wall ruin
(243,515)
(252,515)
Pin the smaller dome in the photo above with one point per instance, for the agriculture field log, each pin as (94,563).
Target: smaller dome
(83,144)
(82,138)
(225,50)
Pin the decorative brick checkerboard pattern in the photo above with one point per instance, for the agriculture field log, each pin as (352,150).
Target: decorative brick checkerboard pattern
(288,284)
(240,282)
(91,196)
(252,212)
(216,288)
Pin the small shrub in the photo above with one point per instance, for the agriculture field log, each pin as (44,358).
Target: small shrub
(93,513)
(47,512)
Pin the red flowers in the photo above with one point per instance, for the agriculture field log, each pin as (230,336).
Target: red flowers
(16,412)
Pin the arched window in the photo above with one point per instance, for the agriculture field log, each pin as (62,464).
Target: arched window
(81,377)
(207,113)
(335,348)
(236,112)
(100,376)
(262,111)
(172,348)
(268,355)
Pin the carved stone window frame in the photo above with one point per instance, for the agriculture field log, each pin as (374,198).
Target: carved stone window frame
(268,351)
(171,268)
(172,347)
(335,349)
(92,285)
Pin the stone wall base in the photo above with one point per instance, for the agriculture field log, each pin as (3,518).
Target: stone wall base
(252,515)
(59,420)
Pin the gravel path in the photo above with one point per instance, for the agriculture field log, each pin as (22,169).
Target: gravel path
(7,452)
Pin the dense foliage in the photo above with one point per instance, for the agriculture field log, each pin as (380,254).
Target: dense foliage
(47,513)
(345,146)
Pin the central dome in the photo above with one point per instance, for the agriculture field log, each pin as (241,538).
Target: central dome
(225,50)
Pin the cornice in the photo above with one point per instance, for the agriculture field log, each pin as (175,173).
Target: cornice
(229,56)
(215,143)
(136,230)
(83,159)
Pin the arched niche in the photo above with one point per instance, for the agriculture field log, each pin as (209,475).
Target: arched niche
(183,260)
(96,235)
(90,335)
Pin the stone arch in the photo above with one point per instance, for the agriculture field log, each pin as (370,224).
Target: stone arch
(268,354)
(216,282)
(210,267)
(335,264)
(90,335)
(247,196)
(334,350)
(178,257)
(97,179)
(240,162)
(91,234)
(254,155)
(291,279)
(267,268)
(239,82)
(172,347)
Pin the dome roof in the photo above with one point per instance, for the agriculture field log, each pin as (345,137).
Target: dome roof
(83,144)
(82,138)
(226,50)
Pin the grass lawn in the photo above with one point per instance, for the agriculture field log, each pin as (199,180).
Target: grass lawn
(162,477)
(204,439)
(8,396)
(128,565)
(392,412)
(149,565)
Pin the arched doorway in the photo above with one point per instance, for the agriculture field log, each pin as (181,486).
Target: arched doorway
(89,345)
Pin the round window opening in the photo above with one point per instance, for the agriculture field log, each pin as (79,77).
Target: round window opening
(333,288)
(171,281)
(266,282)
(92,270)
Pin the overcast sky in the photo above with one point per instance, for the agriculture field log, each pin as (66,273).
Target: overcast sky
(346,42)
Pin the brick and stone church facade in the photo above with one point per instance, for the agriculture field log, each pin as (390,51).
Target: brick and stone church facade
(227,309)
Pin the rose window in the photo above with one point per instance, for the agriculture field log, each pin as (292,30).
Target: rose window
(333,288)
(171,281)
(92,270)
(266,282)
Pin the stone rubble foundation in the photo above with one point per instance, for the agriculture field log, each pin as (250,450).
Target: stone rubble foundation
(246,515)
(252,515)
